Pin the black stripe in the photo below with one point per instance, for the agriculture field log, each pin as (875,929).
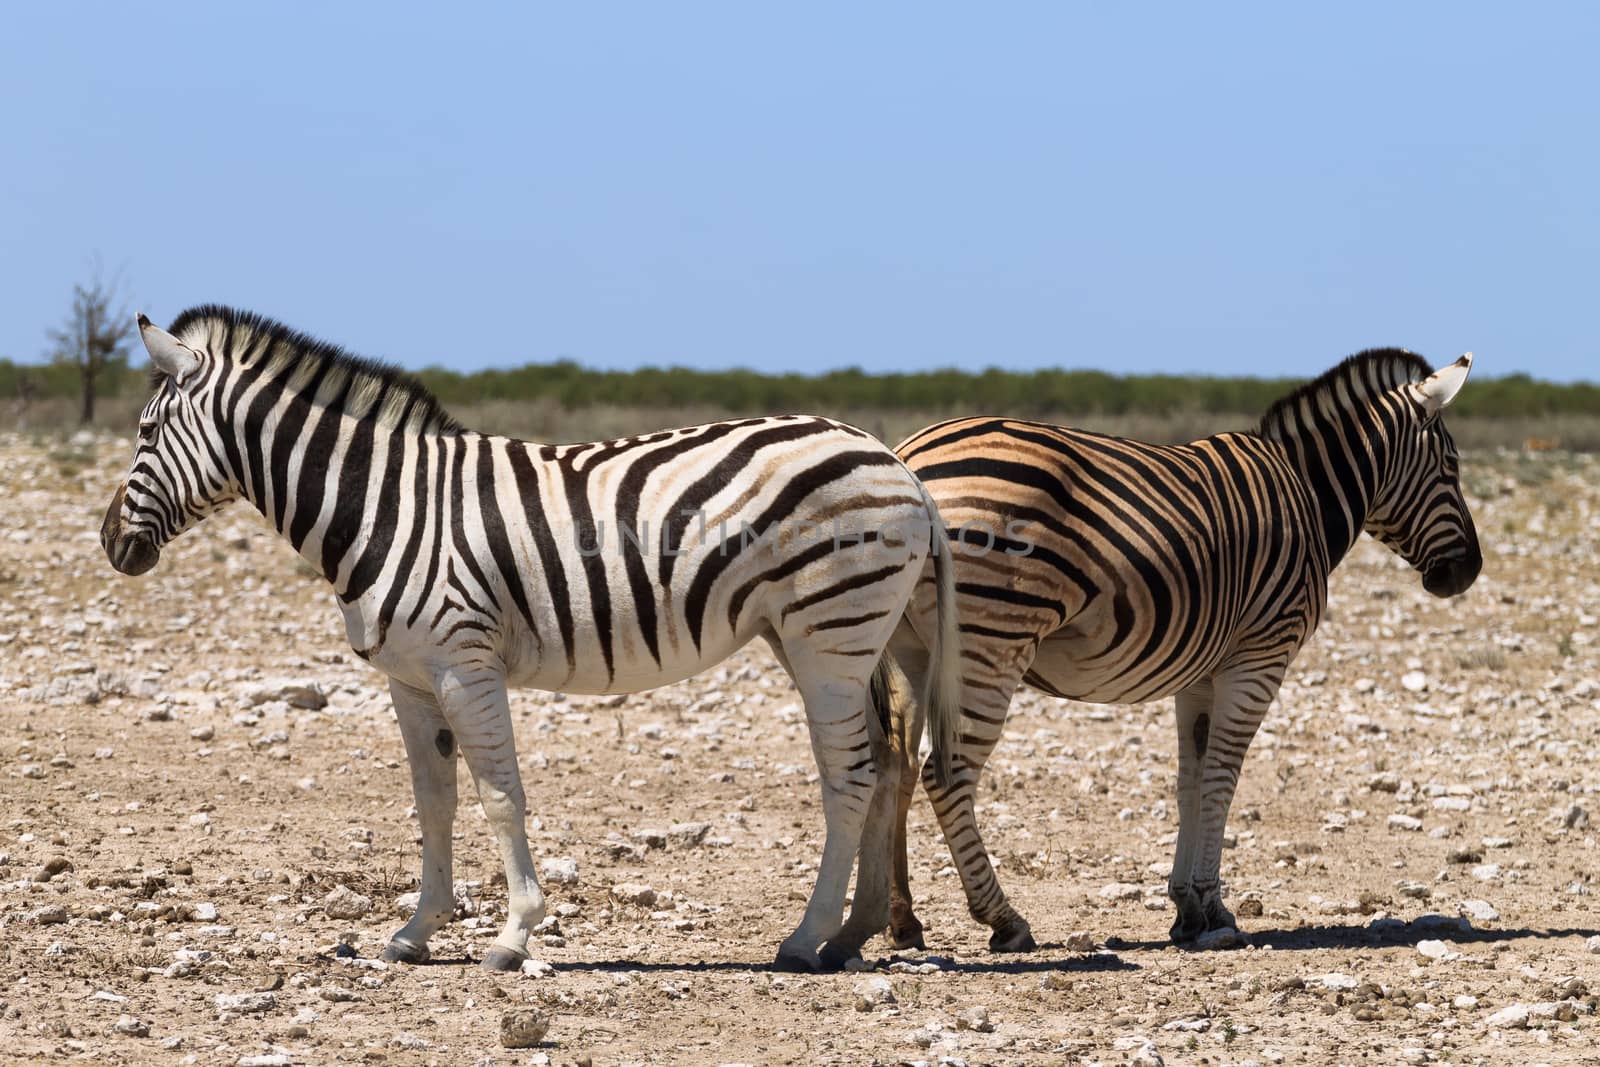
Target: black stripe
(384,519)
(855,581)
(575,485)
(494,533)
(458,526)
(555,578)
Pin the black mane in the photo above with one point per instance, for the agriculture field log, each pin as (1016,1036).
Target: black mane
(1367,373)
(248,338)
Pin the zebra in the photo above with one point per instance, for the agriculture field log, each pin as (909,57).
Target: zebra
(1103,569)
(463,563)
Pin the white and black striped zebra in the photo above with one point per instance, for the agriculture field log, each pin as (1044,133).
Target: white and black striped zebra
(1104,569)
(464,563)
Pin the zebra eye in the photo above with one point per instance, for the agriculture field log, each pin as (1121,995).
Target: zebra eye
(147,429)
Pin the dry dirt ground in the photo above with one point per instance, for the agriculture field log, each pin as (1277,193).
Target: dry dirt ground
(1413,854)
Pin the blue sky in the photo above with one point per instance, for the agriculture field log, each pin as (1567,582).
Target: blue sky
(1223,189)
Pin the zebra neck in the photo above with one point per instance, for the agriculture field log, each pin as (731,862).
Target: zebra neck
(337,488)
(1343,462)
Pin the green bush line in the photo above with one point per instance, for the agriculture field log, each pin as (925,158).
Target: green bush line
(1022,393)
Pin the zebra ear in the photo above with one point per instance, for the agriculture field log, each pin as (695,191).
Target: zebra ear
(166,351)
(1439,388)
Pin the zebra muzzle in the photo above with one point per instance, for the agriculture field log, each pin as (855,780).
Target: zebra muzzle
(1453,575)
(130,553)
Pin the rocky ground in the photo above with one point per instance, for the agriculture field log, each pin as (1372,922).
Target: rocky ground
(206,834)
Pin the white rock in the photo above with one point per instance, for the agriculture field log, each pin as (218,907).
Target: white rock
(345,903)
(1486,872)
(687,834)
(1333,981)
(1147,1056)
(127,1024)
(634,893)
(1122,891)
(1221,938)
(561,870)
(1435,950)
(537,968)
(1465,1002)
(1481,910)
(1414,681)
(1080,941)
(1408,823)
(1514,1017)
(976,1019)
(873,992)
(247,1003)
(1593,943)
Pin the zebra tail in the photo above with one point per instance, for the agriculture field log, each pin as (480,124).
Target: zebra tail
(942,696)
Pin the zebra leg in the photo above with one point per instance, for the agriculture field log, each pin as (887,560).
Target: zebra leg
(1194,732)
(475,704)
(430,750)
(869,911)
(836,715)
(982,720)
(1238,706)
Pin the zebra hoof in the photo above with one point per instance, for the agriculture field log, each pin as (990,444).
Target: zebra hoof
(833,957)
(398,951)
(1186,928)
(791,962)
(907,935)
(1013,937)
(501,959)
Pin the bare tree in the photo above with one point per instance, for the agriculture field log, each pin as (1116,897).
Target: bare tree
(97,336)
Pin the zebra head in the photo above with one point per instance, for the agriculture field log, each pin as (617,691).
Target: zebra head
(178,476)
(1420,512)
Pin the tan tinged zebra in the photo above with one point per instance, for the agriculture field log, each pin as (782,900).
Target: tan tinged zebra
(1104,569)
(464,563)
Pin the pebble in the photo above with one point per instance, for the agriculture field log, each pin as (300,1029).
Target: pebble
(1593,943)
(1408,823)
(1122,891)
(265,1059)
(1220,938)
(976,1019)
(1436,950)
(1080,941)
(1480,910)
(345,903)
(53,866)
(246,1003)
(561,870)
(523,1027)
(1146,1056)
(1414,682)
(872,993)
(537,968)
(1513,1017)
(687,834)
(1333,981)
(634,893)
(133,1027)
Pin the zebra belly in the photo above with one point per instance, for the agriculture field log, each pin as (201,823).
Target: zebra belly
(1081,668)
(632,670)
